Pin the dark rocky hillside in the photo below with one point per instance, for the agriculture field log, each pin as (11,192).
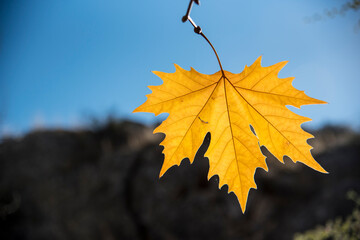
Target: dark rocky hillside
(103,184)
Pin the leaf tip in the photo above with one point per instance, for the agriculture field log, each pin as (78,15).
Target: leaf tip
(138,109)
(162,171)
(316,166)
(157,73)
(322,170)
(242,203)
(317,101)
(259,59)
(177,67)
(322,102)
(280,66)
(243,211)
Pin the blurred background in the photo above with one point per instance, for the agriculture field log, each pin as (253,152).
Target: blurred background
(76,163)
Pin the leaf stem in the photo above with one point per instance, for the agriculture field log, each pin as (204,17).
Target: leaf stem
(217,56)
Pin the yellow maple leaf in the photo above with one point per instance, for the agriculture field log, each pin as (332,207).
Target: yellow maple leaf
(226,104)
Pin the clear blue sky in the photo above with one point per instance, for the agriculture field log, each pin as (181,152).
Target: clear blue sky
(61,61)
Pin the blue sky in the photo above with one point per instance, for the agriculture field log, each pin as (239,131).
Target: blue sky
(63,61)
